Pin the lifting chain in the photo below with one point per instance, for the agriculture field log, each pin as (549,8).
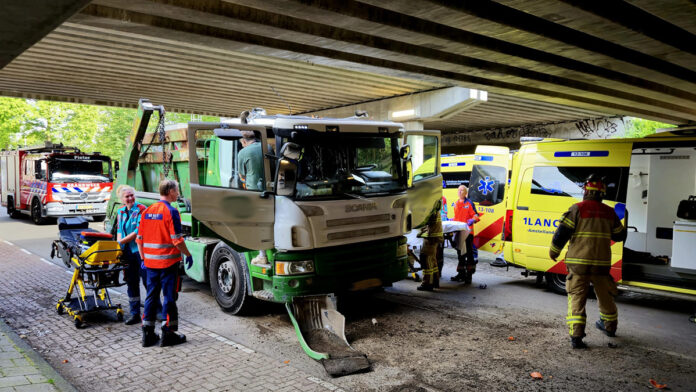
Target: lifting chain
(167,157)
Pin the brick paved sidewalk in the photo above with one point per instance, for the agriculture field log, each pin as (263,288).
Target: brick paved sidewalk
(107,356)
(22,369)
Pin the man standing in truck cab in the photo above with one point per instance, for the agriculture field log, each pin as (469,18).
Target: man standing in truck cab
(589,227)
(250,163)
(160,243)
(465,211)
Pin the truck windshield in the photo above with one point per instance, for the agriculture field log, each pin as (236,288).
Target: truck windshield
(80,170)
(342,166)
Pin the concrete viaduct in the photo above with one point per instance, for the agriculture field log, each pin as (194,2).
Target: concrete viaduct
(489,64)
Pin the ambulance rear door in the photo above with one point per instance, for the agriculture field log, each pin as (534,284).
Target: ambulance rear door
(456,171)
(489,178)
(425,192)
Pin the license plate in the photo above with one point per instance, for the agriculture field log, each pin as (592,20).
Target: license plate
(366,284)
(85,207)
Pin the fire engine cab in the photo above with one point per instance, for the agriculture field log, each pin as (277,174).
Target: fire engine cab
(53,180)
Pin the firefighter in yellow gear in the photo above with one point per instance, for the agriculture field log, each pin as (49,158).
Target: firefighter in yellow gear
(432,240)
(589,227)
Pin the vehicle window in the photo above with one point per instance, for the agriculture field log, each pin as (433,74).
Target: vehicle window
(568,181)
(228,163)
(80,170)
(424,154)
(487,186)
(452,180)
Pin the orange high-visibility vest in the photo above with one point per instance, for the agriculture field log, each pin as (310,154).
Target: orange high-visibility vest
(159,233)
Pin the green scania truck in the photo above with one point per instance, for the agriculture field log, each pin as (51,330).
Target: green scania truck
(337,197)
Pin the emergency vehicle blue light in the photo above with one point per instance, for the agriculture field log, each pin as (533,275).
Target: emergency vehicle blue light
(483,158)
(580,154)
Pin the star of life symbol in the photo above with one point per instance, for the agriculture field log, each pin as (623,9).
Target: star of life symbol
(486,185)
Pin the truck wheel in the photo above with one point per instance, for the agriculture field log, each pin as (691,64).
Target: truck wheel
(36,213)
(11,210)
(556,283)
(98,218)
(228,279)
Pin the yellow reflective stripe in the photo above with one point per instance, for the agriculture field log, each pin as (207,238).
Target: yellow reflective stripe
(617,230)
(591,234)
(555,249)
(609,317)
(568,222)
(601,263)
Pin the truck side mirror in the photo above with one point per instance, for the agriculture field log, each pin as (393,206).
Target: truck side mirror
(291,151)
(286,177)
(405,152)
(117,166)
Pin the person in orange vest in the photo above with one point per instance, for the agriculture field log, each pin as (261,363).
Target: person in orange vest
(589,227)
(161,243)
(465,211)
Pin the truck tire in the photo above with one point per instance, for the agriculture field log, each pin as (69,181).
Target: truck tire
(556,283)
(98,218)
(228,279)
(36,213)
(11,210)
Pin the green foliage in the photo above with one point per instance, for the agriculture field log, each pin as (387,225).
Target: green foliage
(638,127)
(26,122)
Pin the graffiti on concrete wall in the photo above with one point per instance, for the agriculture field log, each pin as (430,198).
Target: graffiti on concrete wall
(598,128)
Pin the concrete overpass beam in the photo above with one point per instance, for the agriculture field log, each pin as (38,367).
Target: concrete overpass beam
(414,109)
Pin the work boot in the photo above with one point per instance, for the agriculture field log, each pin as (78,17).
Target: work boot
(459,277)
(171,338)
(133,319)
(436,283)
(425,287)
(150,338)
(600,326)
(577,343)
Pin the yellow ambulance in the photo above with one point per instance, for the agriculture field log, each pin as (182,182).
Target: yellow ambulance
(646,178)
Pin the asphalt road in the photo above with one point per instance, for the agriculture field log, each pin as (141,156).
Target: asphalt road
(497,297)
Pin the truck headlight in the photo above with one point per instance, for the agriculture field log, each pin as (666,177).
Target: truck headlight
(294,267)
(402,250)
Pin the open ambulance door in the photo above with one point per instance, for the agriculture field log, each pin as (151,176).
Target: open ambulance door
(219,197)
(489,178)
(425,189)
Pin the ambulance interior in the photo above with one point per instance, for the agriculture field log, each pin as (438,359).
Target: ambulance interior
(660,247)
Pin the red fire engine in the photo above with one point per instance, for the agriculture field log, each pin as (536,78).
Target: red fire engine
(53,180)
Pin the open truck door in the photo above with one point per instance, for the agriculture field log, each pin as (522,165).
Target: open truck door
(487,187)
(425,184)
(232,206)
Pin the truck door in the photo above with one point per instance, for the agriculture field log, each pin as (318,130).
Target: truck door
(489,178)
(238,208)
(426,188)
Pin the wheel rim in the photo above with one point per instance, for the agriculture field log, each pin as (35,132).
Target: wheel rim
(226,276)
(558,280)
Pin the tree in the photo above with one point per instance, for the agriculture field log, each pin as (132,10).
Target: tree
(638,127)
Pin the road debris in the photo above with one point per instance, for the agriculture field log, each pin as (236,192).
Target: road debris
(536,375)
(511,338)
(483,286)
(657,385)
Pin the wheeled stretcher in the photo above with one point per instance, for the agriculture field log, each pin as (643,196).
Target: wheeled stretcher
(96,259)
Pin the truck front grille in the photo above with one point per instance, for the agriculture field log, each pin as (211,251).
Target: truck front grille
(341,235)
(358,220)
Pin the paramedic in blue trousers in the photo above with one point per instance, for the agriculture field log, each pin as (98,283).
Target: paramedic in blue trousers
(161,243)
(127,221)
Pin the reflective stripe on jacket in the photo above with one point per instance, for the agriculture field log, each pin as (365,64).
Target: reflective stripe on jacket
(589,227)
(159,233)
(127,222)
